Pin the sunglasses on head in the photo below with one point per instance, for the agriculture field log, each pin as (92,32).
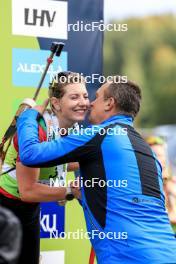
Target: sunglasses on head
(60,75)
(64,73)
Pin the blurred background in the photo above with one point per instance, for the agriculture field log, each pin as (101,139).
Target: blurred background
(146,53)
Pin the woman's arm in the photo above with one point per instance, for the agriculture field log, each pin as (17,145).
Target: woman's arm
(32,191)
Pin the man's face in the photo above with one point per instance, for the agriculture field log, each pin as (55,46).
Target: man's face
(97,107)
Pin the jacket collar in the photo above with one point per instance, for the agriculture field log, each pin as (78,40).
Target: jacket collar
(124,119)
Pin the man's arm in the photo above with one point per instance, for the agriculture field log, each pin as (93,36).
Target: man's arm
(46,154)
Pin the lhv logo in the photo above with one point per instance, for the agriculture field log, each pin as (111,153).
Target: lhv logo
(44,18)
(52,219)
(41,18)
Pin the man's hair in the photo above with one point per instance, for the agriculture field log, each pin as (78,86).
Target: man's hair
(127,95)
(61,80)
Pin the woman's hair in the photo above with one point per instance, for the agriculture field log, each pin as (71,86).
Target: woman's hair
(61,80)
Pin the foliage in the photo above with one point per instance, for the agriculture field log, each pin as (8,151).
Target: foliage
(146,53)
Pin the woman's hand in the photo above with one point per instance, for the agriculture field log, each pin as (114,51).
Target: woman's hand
(41,108)
(62,202)
(75,187)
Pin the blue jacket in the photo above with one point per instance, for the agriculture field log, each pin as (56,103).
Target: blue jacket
(125,209)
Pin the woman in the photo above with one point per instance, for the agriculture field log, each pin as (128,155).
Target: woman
(22,189)
(159,146)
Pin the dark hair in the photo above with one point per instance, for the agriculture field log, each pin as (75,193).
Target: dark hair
(62,79)
(127,95)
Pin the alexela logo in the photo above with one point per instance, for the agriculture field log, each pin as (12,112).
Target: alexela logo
(44,18)
(29,64)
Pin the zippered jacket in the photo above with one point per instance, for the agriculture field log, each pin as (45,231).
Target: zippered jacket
(121,186)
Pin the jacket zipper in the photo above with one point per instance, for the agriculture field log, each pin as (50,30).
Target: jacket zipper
(90,218)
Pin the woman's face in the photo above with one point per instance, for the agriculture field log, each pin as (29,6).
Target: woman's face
(74,104)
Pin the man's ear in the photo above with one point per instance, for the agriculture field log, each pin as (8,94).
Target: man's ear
(110,104)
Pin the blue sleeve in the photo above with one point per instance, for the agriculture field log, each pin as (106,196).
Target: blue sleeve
(46,154)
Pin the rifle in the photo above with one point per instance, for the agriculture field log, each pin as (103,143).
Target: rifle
(56,49)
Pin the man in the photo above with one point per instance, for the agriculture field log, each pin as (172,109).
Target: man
(122,194)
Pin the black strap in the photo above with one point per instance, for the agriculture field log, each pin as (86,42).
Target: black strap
(11,169)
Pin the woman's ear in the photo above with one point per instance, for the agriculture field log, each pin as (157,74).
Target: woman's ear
(55,104)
